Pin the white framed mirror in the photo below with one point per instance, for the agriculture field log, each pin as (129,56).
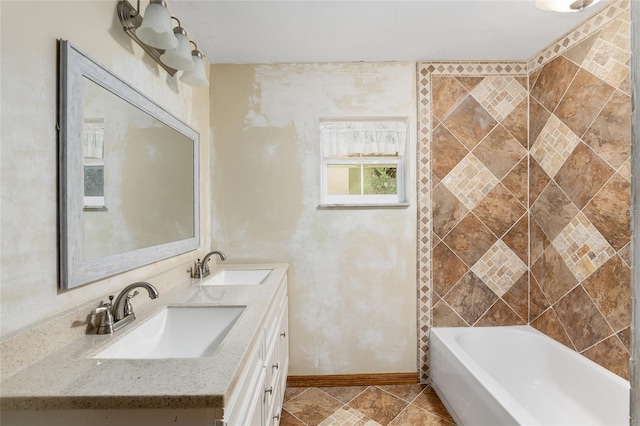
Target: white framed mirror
(128,175)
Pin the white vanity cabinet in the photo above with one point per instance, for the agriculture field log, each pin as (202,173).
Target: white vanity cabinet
(258,396)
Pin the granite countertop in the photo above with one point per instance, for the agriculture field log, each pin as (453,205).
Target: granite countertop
(71,379)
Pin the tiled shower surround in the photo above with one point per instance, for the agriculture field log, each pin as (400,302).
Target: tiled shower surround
(524,192)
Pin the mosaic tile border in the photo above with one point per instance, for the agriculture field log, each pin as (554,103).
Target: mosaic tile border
(423,170)
(578,34)
(468,68)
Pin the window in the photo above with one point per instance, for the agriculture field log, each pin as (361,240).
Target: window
(362,162)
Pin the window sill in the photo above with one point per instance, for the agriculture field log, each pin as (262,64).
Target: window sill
(363,206)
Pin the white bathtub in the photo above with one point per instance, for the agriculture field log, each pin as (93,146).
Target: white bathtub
(517,375)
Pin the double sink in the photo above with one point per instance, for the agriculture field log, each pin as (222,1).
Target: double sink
(186,331)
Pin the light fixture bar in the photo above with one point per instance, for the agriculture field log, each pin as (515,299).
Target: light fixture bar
(131,19)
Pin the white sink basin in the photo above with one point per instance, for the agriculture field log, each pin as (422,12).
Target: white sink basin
(176,332)
(238,277)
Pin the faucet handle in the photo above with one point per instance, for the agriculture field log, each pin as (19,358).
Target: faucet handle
(196,269)
(128,309)
(106,322)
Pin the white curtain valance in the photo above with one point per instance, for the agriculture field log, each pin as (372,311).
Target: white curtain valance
(93,140)
(363,137)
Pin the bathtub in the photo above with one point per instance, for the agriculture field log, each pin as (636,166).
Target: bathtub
(517,375)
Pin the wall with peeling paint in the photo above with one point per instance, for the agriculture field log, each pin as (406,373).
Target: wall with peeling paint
(352,282)
(29,246)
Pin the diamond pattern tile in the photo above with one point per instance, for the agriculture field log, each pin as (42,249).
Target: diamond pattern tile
(582,247)
(538,116)
(583,174)
(517,122)
(447,94)
(572,231)
(499,95)
(610,288)
(553,210)
(470,181)
(625,169)
(500,151)
(586,94)
(516,181)
(554,145)
(470,122)
(418,404)
(499,210)
(580,317)
(445,316)
(610,211)
(347,417)
(608,56)
(549,324)
(500,314)
(612,355)
(446,151)
(499,268)
(553,81)
(610,133)
(518,297)
(447,269)
(518,238)
(578,52)
(470,298)
(378,405)
(470,239)
(448,211)
(553,275)
(580,33)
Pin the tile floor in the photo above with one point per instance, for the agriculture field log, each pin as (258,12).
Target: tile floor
(393,405)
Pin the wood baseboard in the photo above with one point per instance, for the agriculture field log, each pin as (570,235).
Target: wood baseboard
(352,380)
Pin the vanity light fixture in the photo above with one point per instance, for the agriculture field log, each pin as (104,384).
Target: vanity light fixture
(168,46)
(156,30)
(196,75)
(564,5)
(180,56)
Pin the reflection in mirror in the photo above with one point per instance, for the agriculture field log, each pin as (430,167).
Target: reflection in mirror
(138,188)
(129,175)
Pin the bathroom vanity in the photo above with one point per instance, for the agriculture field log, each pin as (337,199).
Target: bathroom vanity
(239,381)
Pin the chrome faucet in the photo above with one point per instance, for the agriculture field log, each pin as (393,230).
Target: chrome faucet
(120,313)
(200,269)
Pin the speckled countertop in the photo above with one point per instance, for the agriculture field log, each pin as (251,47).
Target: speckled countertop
(71,379)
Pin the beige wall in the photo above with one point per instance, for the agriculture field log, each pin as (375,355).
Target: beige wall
(352,280)
(29,155)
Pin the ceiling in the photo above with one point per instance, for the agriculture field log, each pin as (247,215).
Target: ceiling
(359,30)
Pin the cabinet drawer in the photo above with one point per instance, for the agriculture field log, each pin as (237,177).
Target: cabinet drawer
(283,335)
(250,387)
(272,365)
(271,325)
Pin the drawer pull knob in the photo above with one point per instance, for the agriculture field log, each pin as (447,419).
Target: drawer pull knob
(276,417)
(269,390)
(283,334)
(276,365)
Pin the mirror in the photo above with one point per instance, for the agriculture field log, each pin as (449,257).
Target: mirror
(128,175)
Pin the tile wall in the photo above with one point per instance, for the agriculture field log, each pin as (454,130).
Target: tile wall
(580,197)
(479,199)
(524,192)
(472,192)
